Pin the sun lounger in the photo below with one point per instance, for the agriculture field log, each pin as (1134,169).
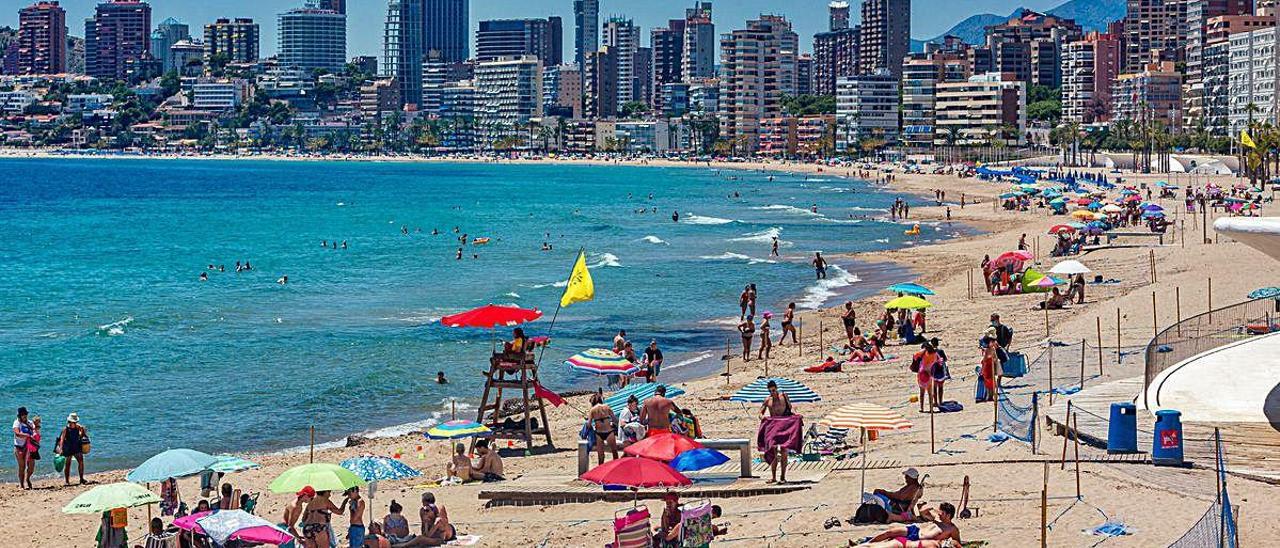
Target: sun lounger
(631,528)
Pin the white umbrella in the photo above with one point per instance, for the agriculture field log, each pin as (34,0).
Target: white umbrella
(1112,208)
(1070,267)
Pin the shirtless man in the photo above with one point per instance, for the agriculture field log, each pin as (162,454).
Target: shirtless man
(293,511)
(656,413)
(937,532)
(776,405)
(604,425)
(902,503)
(489,468)
(356,507)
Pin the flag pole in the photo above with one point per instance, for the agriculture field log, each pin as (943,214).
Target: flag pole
(556,314)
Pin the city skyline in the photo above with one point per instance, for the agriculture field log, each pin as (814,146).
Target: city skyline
(365,19)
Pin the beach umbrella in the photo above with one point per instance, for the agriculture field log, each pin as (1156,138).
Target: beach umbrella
(109,497)
(663,446)
(1070,267)
(1012,257)
(1010,195)
(1132,198)
(1082,214)
(1061,229)
(909,302)
(318,475)
(456,429)
(698,459)
(910,289)
(228,464)
(1112,208)
(371,468)
(865,416)
(601,362)
(1047,282)
(636,472)
(174,463)
(227,525)
(1153,207)
(1152,214)
(1084,201)
(1076,225)
(1265,293)
(1128,192)
(758,391)
(490,316)
(642,391)
(1058,201)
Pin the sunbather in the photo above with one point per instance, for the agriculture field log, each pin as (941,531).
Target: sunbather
(489,467)
(460,466)
(937,532)
(901,504)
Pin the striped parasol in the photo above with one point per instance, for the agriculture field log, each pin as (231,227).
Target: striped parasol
(601,362)
(867,416)
(458,429)
(230,463)
(758,391)
(642,392)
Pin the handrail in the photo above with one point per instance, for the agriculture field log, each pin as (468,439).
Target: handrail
(1201,333)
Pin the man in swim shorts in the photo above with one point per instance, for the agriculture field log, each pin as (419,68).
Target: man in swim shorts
(937,532)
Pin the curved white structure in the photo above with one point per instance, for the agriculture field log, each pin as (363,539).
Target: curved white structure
(1261,233)
(1239,382)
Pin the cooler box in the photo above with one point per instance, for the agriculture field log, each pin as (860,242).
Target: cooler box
(1122,429)
(1166,447)
(1015,366)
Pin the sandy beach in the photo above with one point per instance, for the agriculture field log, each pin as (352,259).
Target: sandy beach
(1006,478)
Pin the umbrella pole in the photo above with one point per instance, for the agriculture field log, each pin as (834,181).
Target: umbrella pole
(313,444)
(863,490)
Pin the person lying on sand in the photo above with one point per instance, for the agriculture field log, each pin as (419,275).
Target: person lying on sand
(938,532)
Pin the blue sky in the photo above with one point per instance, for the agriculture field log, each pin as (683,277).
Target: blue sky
(364,25)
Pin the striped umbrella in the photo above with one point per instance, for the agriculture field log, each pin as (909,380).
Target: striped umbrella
(228,464)
(601,362)
(371,468)
(865,416)
(642,392)
(458,429)
(758,391)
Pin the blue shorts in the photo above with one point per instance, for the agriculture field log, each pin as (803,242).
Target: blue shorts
(356,534)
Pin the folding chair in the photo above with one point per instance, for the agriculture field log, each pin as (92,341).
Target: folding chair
(631,528)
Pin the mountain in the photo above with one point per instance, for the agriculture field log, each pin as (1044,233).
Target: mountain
(1089,14)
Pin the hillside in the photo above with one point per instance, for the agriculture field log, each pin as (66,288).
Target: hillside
(1089,14)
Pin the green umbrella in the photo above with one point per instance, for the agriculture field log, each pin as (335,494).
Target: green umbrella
(109,497)
(320,476)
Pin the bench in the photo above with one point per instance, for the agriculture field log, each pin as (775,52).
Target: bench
(742,445)
(1113,235)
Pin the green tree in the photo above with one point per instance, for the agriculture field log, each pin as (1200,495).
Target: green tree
(808,105)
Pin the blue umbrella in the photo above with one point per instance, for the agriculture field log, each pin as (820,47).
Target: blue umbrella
(1265,293)
(910,289)
(1152,214)
(230,463)
(758,391)
(371,468)
(642,392)
(174,463)
(698,459)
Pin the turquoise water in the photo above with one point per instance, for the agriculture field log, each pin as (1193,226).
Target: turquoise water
(104,314)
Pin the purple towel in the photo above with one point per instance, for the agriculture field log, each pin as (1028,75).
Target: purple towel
(785,431)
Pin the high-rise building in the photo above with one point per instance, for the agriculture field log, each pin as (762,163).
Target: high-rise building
(508,95)
(236,40)
(1089,67)
(668,57)
(838,14)
(586,29)
(1155,30)
(312,39)
(541,38)
(1220,69)
(600,84)
(1252,76)
(42,39)
(168,33)
(458,111)
(1199,12)
(804,74)
(1151,95)
(622,37)
(642,84)
(186,58)
(885,37)
(339,6)
(982,108)
(447,28)
(438,74)
(117,37)
(866,108)
(835,55)
(1029,46)
(562,91)
(403,48)
(921,74)
(379,98)
(759,68)
(699,50)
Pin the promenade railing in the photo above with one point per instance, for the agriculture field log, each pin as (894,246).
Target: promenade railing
(1202,333)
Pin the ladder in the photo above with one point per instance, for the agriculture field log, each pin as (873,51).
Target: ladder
(513,373)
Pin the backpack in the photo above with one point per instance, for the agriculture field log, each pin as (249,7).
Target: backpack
(870,513)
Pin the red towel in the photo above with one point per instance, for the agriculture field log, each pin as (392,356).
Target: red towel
(785,431)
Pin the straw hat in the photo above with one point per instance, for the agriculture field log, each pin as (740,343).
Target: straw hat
(73,418)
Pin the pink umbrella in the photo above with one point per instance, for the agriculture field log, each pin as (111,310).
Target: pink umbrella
(1012,257)
(234,524)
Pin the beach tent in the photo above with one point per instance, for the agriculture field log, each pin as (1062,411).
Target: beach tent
(1031,281)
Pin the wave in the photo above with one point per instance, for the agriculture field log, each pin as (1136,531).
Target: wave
(116,328)
(654,240)
(789,209)
(561,283)
(700,220)
(817,294)
(417,318)
(731,256)
(842,221)
(604,259)
(511,294)
(396,430)
(763,237)
(882,241)
(689,361)
(729,321)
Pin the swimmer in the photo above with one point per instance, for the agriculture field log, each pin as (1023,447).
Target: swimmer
(440,378)
(283,280)
(204,276)
(324,243)
(344,244)
(222,268)
(675,216)
(459,257)
(247,266)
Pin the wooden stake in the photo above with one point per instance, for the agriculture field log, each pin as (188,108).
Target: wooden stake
(1075,422)
(1051,374)
(800,338)
(1155,322)
(1099,321)
(1177,308)
(932,449)
(1082,364)
(313,444)
(995,402)
(1117,336)
(727,356)
(1045,304)
(1210,300)
(1044,509)
(1066,434)
(821,349)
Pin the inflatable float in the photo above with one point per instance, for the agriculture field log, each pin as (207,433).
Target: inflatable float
(915,230)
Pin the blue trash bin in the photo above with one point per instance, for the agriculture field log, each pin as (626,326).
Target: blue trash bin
(1122,429)
(1166,444)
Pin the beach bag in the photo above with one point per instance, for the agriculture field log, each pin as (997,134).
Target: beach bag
(84,441)
(870,513)
(980,392)
(59,461)
(696,530)
(1015,366)
(915,363)
(119,518)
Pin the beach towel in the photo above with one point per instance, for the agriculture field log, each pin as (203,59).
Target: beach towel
(464,540)
(631,530)
(787,431)
(695,525)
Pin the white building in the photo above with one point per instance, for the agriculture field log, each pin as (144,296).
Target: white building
(642,137)
(458,113)
(14,102)
(1253,79)
(508,94)
(312,39)
(984,108)
(866,108)
(221,95)
(88,102)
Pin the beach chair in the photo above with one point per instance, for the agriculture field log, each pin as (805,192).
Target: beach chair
(696,530)
(631,528)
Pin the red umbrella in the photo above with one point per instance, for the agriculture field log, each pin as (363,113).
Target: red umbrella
(1062,228)
(636,472)
(1084,201)
(491,316)
(1010,257)
(663,447)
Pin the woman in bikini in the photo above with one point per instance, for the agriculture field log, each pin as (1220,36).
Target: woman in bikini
(748,330)
(436,529)
(315,520)
(788,325)
(766,344)
(604,426)
(396,526)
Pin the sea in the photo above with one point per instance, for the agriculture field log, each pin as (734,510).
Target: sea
(104,312)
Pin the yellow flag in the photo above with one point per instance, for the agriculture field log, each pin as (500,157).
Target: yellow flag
(580,287)
(1246,140)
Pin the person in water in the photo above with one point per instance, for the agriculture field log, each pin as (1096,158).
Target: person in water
(675,216)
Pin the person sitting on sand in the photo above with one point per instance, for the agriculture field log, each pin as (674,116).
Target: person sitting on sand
(460,465)
(396,525)
(629,422)
(668,533)
(938,532)
(435,529)
(656,412)
(489,467)
(376,537)
(901,504)
(604,426)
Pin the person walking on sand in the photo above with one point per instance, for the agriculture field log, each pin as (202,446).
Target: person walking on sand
(751,299)
(748,330)
(819,265)
(789,325)
(33,449)
(1022,243)
(604,425)
(766,344)
(774,406)
(22,430)
(71,445)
